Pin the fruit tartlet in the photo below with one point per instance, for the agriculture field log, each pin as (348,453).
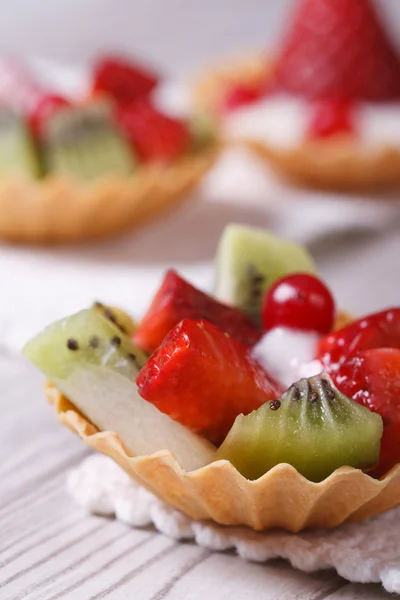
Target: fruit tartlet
(247,407)
(82,168)
(324,106)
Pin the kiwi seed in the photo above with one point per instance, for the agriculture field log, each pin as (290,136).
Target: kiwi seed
(94,342)
(72,344)
(275,404)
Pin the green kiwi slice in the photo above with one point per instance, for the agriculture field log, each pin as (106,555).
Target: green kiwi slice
(18,155)
(83,142)
(312,427)
(203,130)
(117,316)
(249,260)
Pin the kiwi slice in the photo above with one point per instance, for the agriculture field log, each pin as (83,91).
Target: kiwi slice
(117,316)
(92,363)
(249,260)
(313,427)
(84,338)
(83,142)
(203,130)
(18,155)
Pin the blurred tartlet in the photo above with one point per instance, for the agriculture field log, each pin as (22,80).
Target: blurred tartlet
(191,401)
(78,169)
(322,109)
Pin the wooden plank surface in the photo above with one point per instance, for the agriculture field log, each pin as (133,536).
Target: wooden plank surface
(51,550)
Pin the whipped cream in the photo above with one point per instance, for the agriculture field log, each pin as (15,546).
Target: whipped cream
(283,123)
(288,354)
(279,121)
(379,124)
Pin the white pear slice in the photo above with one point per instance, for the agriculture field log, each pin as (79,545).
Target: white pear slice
(100,382)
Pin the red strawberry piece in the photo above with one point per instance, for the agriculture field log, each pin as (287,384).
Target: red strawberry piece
(203,378)
(46,106)
(177,299)
(331,117)
(124,80)
(338,49)
(372,378)
(241,95)
(379,330)
(153,135)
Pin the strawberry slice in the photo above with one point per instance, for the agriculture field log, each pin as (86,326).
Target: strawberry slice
(241,95)
(124,81)
(46,105)
(153,135)
(372,378)
(331,117)
(379,330)
(338,49)
(203,378)
(177,299)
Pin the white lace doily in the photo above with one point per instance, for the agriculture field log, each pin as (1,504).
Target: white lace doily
(366,553)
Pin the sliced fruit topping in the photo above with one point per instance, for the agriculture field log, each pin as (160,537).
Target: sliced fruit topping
(92,363)
(153,135)
(372,378)
(313,427)
(177,299)
(202,129)
(331,117)
(249,260)
(85,337)
(241,95)
(83,142)
(203,378)
(338,49)
(299,301)
(46,105)
(124,80)
(117,316)
(18,155)
(379,330)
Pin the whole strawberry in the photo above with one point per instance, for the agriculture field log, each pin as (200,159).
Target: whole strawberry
(338,49)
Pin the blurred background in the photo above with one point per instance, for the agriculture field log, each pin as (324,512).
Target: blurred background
(355,239)
(178,35)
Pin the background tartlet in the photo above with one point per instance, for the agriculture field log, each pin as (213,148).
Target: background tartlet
(327,99)
(337,164)
(59,209)
(95,161)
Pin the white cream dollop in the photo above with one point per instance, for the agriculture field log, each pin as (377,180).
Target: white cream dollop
(283,123)
(279,121)
(288,354)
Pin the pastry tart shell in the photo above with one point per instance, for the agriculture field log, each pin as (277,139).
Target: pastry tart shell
(339,163)
(282,498)
(58,209)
